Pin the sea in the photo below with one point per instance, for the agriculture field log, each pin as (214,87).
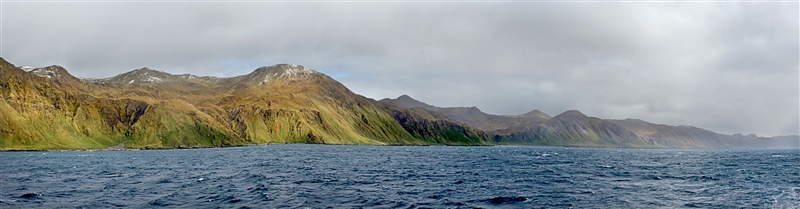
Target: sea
(350,176)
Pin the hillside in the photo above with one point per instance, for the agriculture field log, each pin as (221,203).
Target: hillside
(47,108)
(472,116)
(573,128)
(693,137)
(435,127)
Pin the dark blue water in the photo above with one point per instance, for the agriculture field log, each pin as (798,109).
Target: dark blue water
(320,176)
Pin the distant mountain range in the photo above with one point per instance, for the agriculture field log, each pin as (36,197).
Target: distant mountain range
(47,108)
(573,128)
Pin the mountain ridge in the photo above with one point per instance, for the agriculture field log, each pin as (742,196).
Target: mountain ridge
(146,108)
(573,128)
(48,108)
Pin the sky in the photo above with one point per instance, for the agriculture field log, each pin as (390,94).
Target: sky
(728,67)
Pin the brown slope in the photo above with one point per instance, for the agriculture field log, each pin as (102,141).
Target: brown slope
(147,108)
(473,116)
(692,137)
(434,126)
(47,109)
(571,128)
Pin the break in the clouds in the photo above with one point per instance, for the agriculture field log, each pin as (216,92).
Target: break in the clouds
(729,67)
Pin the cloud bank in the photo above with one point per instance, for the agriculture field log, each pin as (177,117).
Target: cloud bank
(723,66)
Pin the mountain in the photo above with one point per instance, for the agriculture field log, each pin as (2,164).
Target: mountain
(693,137)
(47,108)
(434,126)
(573,128)
(472,116)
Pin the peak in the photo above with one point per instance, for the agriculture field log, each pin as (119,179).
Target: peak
(407,102)
(635,120)
(147,70)
(471,109)
(27,68)
(141,76)
(406,98)
(571,113)
(265,74)
(536,113)
(56,68)
(286,65)
(283,70)
(53,71)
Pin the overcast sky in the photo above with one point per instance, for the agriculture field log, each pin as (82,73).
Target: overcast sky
(725,67)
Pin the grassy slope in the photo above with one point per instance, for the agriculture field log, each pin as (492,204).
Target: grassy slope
(43,114)
(434,127)
(37,114)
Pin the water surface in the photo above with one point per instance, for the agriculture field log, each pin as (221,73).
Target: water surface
(320,176)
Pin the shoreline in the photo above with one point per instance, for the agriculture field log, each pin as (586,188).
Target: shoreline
(117,147)
(121,148)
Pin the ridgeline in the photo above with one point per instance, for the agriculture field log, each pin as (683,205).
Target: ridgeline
(49,109)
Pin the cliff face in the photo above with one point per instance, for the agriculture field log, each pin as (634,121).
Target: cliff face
(46,108)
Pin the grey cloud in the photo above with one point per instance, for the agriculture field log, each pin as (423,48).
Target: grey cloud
(727,67)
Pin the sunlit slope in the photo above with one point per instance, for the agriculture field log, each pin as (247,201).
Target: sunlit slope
(145,108)
(52,113)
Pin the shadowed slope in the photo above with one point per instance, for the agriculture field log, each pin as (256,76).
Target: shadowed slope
(692,137)
(573,128)
(472,116)
(435,127)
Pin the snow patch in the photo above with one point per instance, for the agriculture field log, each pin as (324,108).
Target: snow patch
(266,79)
(27,68)
(295,70)
(153,79)
(44,72)
(265,74)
